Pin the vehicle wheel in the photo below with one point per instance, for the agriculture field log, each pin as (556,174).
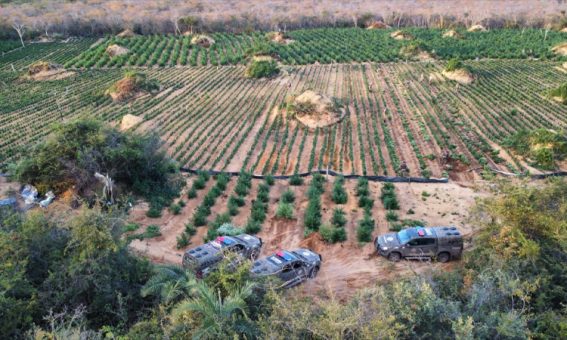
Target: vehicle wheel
(394,257)
(443,257)
(254,255)
(314,272)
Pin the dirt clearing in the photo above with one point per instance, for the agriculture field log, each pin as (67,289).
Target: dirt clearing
(346,266)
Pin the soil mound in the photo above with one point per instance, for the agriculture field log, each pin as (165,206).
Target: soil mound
(376,25)
(44,71)
(127,33)
(123,89)
(44,39)
(279,37)
(115,50)
(462,76)
(314,242)
(452,34)
(560,49)
(202,40)
(401,35)
(132,85)
(129,121)
(42,66)
(315,110)
(262,57)
(415,52)
(477,28)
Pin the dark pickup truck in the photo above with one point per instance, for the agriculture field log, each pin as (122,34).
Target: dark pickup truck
(292,267)
(203,259)
(441,243)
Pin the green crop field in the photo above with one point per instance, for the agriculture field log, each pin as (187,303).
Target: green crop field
(320,45)
(214,118)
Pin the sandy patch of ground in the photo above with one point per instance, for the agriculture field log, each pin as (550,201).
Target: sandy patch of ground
(400,35)
(116,50)
(461,76)
(477,28)
(129,121)
(560,49)
(52,75)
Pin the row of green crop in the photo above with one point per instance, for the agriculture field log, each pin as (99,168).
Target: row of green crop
(327,45)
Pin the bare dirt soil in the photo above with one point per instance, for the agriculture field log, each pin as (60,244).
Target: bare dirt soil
(346,266)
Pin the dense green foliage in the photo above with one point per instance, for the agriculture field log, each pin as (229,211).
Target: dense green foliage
(323,45)
(262,69)
(541,147)
(67,264)
(559,93)
(8,45)
(454,64)
(74,151)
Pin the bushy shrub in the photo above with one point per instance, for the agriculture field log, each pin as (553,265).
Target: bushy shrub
(284,210)
(542,147)
(182,241)
(391,216)
(365,228)
(262,69)
(232,208)
(228,229)
(339,218)
(332,234)
(270,180)
(313,214)
(263,193)
(362,188)
(258,212)
(252,227)
(295,180)
(339,194)
(237,200)
(175,209)
(136,163)
(190,229)
(288,196)
(388,197)
(454,64)
(153,212)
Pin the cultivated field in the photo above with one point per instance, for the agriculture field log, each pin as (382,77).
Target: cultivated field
(326,45)
(211,117)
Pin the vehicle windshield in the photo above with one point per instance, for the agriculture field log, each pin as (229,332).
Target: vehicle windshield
(403,236)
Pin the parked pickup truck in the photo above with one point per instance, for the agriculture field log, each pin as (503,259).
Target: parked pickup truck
(441,243)
(203,259)
(292,267)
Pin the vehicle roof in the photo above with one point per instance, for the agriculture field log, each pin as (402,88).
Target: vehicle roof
(273,263)
(415,232)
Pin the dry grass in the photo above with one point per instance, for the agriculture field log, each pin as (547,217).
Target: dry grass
(156,16)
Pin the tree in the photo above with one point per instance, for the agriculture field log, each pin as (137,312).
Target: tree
(21,30)
(171,283)
(189,22)
(218,316)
